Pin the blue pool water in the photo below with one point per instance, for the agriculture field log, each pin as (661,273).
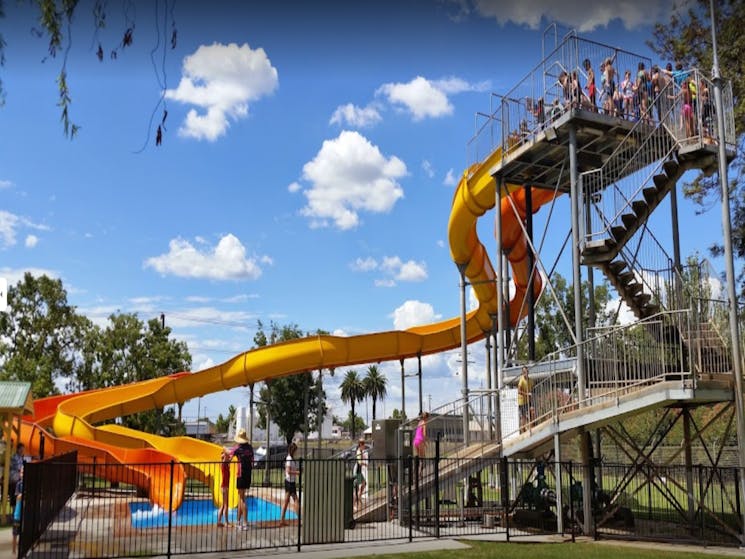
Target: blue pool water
(202,512)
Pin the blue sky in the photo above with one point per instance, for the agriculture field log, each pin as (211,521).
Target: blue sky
(306,172)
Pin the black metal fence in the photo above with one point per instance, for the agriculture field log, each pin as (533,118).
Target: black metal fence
(404,499)
(47,487)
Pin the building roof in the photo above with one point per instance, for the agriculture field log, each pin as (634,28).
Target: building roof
(15,396)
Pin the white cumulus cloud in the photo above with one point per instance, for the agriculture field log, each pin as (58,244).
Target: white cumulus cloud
(393,268)
(450,179)
(414,313)
(583,16)
(350,175)
(356,117)
(221,80)
(425,98)
(31,241)
(225,261)
(5,184)
(405,271)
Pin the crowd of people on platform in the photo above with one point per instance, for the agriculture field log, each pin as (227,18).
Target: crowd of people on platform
(634,95)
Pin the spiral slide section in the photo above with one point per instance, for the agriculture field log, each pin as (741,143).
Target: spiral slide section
(73,417)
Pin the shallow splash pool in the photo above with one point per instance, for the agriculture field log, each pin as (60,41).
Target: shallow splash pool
(201,512)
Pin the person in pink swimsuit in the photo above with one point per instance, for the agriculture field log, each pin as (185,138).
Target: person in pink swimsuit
(420,438)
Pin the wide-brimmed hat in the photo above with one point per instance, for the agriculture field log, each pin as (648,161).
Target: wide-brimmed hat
(241,437)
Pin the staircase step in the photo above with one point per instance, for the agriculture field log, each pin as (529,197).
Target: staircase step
(661,181)
(650,309)
(642,300)
(625,277)
(651,195)
(629,220)
(617,266)
(618,232)
(671,167)
(640,207)
(633,288)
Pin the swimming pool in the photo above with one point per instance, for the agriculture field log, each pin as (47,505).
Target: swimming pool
(200,512)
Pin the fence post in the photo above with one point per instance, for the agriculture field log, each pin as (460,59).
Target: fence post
(410,462)
(701,502)
(437,485)
(737,499)
(170,509)
(571,499)
(505,490)
(299,501)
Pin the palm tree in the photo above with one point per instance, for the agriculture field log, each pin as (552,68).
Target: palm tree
(352,391)
(375,385)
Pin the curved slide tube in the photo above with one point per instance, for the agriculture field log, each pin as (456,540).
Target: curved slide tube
(73,416)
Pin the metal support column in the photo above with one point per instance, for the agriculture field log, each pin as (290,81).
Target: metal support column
(403,390)
(419,372)
(464,356)
(727,230)
(559,492)
(490,396)
(500,294)
(677,263)
(576,197)
(531,272)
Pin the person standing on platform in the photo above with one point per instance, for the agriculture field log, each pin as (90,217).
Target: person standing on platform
(524,397)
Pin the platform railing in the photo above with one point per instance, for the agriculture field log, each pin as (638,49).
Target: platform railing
(542,96)
(619,360)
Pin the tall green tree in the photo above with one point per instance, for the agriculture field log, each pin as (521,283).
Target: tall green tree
(686,38)
(375,385)
(284,397)
(128,350)
(552,332)
(352,391)
(41,335)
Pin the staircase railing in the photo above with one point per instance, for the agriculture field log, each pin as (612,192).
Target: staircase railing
(613,187)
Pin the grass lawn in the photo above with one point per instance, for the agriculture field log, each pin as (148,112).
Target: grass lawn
(517,550)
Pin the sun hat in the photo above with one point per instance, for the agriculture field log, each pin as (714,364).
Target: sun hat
(241,437)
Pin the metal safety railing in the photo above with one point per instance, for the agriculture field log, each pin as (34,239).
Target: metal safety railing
(561,81)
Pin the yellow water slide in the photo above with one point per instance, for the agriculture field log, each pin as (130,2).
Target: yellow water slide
(76,416)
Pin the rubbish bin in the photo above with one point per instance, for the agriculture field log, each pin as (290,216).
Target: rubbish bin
(349,501)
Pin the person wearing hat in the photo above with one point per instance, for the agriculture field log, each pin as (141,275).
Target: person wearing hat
(244,452)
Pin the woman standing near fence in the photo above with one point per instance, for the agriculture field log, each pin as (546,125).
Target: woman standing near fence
(291,472)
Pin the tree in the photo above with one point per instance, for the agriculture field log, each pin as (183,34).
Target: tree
(552,332)
(41,335)
(353,424)
(128,350)
(284,398)
(352,391)
(375,386)
(687,38)
(222,425)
